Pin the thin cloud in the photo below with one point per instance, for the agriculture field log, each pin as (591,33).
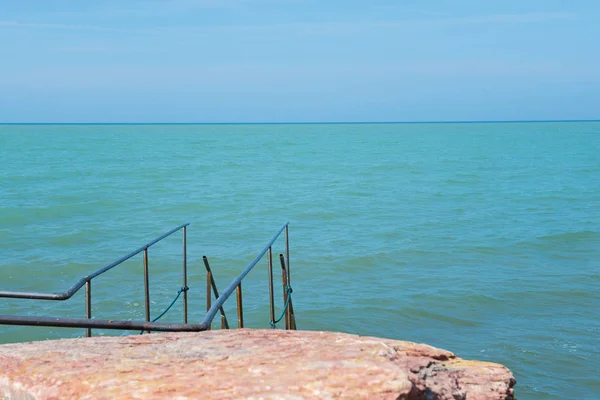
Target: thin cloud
(351,26)
(516,18)
(354,26)
(308,28)
(102,50)
(148,9)
(76,27)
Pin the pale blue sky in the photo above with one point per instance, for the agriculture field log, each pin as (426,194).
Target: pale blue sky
(298,60)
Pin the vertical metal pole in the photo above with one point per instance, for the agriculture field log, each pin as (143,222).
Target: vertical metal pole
(185,295)
(240,308)
(271,295)
(287,252)
(291,315)
(216,291)
(146,286)
(284,281)
(208,292)
(88,305)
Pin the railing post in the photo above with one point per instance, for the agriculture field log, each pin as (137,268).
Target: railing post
(88,305)
(290,318)
(271,294)
(208,292)
(240,308)
(185,294)
(290,311)
(146,286)
(287,252)
(224,322)
(285,293)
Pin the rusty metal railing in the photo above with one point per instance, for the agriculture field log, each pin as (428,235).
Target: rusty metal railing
(236,285)
(212,308)
(87,281)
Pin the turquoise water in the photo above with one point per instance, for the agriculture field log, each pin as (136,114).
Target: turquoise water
(483,239)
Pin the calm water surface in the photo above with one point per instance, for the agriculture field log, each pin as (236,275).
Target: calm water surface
(483,239)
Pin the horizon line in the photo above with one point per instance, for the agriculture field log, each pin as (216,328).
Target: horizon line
(308,123)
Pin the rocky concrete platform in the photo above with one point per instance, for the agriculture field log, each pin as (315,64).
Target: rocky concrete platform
(251,364)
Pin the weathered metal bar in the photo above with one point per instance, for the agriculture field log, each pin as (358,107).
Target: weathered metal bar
(285,293)
(88,305)
(81,282)
(208,290)
(240,307)
(45,296)
(224,321)
(287,259)
(290,318)
(146,286)
(271,294)
(233,285)
(185,294)
(98,324)
(287,250)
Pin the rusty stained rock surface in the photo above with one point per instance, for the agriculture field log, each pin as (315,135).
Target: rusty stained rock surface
(254,364)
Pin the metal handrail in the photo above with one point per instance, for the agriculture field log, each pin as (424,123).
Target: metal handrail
(210,315)
(99,324)
(206,322)
(87,281)
(80,283)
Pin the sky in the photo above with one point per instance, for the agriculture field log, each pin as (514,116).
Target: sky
(298,60)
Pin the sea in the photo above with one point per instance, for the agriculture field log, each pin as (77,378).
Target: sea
(479,238)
